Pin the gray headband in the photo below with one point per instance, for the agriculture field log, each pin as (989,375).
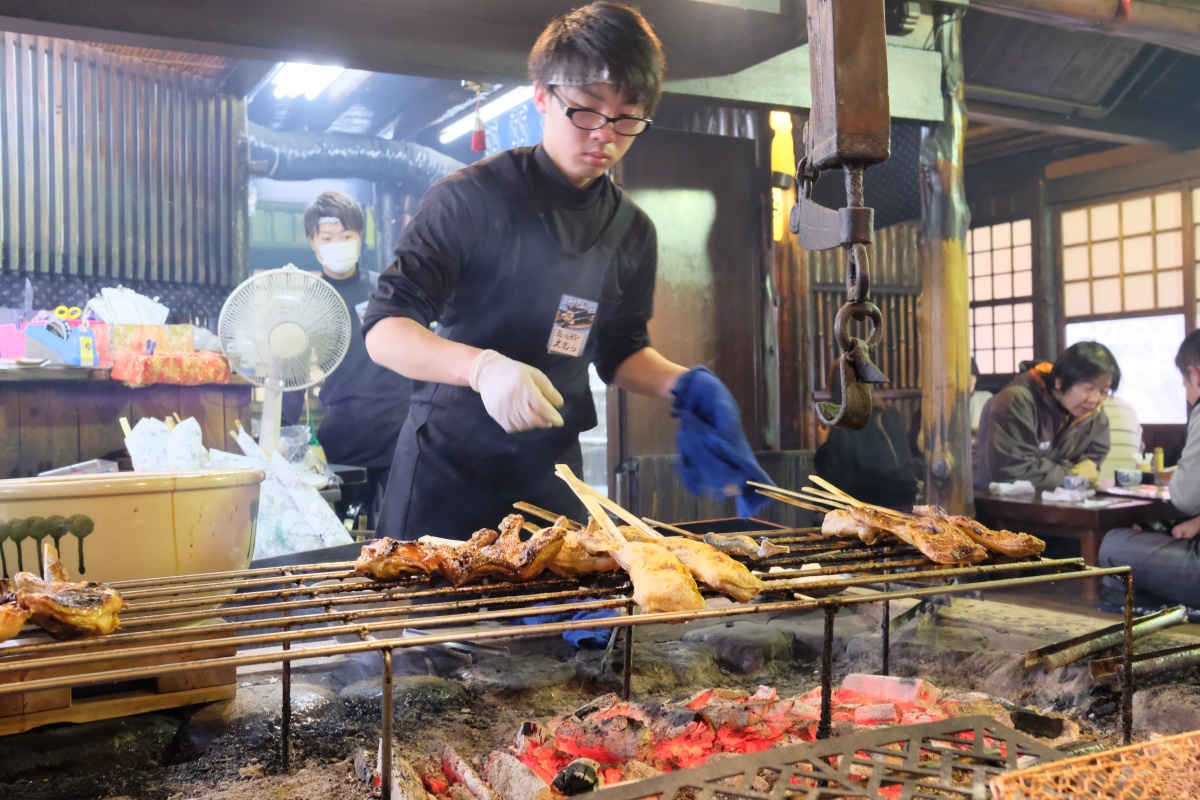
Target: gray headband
(571,77)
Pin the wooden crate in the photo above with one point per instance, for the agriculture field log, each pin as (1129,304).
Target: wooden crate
(23,711)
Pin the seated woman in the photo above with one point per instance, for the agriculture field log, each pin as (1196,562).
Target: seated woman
(1049,422)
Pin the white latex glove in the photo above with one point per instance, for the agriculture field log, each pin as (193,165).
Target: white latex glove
(516,395)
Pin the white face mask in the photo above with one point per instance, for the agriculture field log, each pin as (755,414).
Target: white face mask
(338,257)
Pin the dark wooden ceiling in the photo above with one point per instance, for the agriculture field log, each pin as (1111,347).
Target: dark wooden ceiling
(1047,87)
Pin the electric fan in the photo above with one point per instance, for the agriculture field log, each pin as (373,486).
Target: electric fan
(283,329)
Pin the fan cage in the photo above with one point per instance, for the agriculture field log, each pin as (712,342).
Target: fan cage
(284,297)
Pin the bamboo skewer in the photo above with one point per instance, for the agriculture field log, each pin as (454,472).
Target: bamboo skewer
(542,514)
(580,488)
(588,498)
(673,529)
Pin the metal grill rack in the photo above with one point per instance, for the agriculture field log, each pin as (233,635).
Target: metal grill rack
(285,614)
(947,759)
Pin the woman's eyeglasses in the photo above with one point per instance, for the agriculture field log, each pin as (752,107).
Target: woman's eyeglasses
(588,120)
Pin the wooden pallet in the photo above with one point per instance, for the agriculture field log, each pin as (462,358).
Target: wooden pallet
(23,711)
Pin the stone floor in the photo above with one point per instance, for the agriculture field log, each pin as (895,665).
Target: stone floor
(231,750)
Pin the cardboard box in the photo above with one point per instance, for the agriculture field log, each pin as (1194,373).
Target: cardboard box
(183,369)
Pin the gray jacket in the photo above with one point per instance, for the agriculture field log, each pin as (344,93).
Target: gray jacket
(1185,483)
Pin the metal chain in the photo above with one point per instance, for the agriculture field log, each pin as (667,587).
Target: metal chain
(858,277)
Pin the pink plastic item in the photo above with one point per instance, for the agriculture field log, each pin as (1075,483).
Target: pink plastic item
(890,689)
(875,714)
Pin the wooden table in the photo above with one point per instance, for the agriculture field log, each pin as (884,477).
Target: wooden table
(1044,519)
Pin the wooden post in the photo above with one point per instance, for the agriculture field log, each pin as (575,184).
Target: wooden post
(945,353)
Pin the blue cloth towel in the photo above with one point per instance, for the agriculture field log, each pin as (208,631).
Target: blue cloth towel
(713,450)
(590,639)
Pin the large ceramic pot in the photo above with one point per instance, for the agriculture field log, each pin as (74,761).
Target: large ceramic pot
(127,525)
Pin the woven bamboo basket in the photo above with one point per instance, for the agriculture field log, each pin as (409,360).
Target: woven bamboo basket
(1161,769)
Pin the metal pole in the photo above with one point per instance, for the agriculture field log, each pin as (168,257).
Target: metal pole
(385,750)
(1127,678)
(627,669)
(286,727)
(823,727)
(887,636)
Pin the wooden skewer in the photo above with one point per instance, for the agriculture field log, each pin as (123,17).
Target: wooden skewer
(128,431)
(783,498)
(629,517)
(530,527)
(891,512)
(673,529)
(588,498)
(543,514)
(824,484)
(811,493)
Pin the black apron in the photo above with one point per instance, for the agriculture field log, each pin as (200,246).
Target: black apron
(455,469)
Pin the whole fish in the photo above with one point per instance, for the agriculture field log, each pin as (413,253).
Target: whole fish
(744,546)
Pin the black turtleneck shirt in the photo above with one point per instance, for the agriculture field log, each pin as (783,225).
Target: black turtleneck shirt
(450,258)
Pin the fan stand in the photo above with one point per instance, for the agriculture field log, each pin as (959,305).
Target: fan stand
(287,340)
(272,412)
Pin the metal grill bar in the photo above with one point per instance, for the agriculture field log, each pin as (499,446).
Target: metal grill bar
(299,613)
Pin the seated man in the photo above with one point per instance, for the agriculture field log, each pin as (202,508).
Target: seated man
(874,464)
(1049,422)
(1168,566)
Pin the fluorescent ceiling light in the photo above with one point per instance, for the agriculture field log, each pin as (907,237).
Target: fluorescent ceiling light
(492,109)
(293,80)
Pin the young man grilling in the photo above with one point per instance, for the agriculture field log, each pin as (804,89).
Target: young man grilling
(506,255)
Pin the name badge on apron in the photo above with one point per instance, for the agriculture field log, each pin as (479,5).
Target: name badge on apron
(361,309)
(572,324)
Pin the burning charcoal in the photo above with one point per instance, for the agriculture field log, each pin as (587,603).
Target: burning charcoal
(363,768)
(512,780)
(406,783)
(581,775)
(609,741)
(429,769)
(456,767)
(638,771)
(531,736)
(459,792)
(1037,725)
(599,704)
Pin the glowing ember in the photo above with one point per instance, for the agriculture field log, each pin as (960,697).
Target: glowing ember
(629,741)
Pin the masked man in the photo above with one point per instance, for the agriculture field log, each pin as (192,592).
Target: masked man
(365,404)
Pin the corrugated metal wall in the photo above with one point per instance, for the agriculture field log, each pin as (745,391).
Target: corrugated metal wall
(112,167)
(895,270)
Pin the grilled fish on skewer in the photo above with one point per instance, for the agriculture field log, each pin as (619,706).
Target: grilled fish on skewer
(707,564)
(1003,542)
(572,559)
(842,523)
(744,545)
(660,581)
(64,609)
(938,540)
(12,615)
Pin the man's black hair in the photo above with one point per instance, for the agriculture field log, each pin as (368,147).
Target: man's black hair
(1084,361)
(1189,352)
(603,36)
(333,204)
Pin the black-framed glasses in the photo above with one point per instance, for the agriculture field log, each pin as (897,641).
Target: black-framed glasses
(588,120)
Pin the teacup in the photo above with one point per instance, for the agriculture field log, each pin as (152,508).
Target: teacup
(1076,482)
(1128,477)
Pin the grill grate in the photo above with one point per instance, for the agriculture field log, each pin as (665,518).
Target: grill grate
(947,759)
(284,614)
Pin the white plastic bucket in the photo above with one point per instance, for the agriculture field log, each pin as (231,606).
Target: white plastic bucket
(144,524)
